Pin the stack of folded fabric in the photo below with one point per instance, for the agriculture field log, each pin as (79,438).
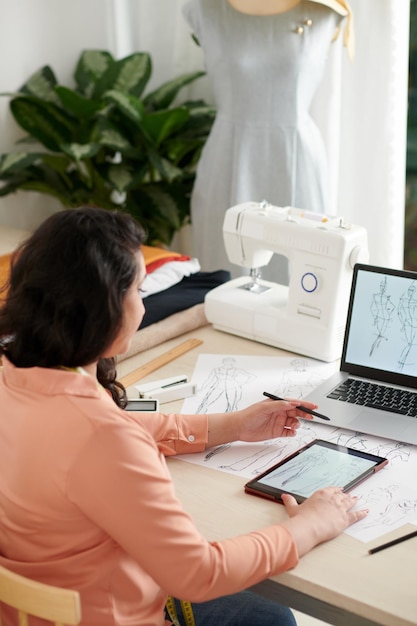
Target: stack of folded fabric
(165,268)
(174,283)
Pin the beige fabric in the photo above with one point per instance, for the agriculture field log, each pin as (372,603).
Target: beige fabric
(273,7)
(168,328)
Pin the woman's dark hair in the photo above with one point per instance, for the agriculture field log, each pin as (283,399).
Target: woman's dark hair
(64,303)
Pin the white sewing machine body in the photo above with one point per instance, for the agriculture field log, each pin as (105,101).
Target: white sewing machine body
(309,315)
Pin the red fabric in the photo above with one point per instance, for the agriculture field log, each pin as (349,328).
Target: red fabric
(151,267)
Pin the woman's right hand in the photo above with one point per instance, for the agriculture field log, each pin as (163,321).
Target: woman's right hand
(321,517)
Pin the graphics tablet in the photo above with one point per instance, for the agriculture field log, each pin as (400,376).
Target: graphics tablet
(318,464)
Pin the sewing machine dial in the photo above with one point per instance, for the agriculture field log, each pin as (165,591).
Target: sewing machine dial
(309,282)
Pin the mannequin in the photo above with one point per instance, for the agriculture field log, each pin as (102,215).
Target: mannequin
(265,61)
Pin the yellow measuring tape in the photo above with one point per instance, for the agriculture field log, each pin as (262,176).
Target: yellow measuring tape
(187,612)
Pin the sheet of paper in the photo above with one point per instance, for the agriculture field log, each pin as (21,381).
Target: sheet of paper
(229,382)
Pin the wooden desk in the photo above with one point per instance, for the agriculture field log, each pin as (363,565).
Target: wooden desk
(338,582)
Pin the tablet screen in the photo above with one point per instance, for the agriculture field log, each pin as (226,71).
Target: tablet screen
(317,465)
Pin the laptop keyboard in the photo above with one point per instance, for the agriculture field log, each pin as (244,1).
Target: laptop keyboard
(376,396)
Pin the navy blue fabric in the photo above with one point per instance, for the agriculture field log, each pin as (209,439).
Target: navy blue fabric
(185,294)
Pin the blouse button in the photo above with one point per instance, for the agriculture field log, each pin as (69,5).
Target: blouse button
(191,438)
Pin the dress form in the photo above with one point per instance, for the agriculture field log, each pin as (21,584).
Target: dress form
(263,144)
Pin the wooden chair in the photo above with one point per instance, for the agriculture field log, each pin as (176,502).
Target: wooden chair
(57,605)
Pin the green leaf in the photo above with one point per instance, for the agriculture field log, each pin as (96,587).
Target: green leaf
(183,149)
(43,187)
(129,105)
(60,164)
(129,75)
(16,161)
(119,177)
(162,97)
(160,209)
(41,85)
(200,120)
(111,137)
(161,124)
(43,120)
(163,199)
(144,207)
(76,104)
(78,151)
(27,139)
(91,66)
(40,178)
(8,188)
(166,170)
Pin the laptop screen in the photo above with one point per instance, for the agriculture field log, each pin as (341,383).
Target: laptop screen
(381,329)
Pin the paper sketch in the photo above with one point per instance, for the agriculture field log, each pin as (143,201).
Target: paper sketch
(299,379)
(390,495)
(224,385)
(229,382)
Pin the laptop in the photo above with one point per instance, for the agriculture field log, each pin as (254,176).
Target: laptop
(375,390)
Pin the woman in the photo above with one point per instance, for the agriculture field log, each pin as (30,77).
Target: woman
(86,499)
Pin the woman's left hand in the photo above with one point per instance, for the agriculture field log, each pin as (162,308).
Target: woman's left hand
(271,418)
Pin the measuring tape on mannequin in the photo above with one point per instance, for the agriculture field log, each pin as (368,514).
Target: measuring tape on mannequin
(187,612)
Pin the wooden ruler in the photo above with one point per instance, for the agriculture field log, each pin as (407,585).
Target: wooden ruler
(160,361)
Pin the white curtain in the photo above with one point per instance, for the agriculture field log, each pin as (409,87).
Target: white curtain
(373,127)
(361,107)
(361,110)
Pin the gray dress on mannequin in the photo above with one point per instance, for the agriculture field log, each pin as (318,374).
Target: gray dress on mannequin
(264,144)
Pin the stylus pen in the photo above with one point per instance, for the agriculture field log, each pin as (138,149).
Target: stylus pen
(302,408)
(393,542)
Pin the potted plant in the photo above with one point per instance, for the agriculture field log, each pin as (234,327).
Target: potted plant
(107,144)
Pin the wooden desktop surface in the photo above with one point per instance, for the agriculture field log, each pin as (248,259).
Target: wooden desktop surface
(337,582)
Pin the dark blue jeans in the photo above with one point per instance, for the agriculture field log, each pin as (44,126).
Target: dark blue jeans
(240,609)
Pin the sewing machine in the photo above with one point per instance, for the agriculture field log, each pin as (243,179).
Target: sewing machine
(309,315)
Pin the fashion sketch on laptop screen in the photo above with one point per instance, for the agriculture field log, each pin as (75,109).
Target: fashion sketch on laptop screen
(374,390)
(383,323)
